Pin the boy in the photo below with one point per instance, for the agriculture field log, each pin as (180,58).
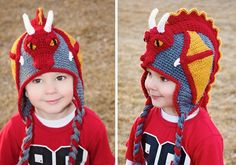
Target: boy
(180,63)
(53,126)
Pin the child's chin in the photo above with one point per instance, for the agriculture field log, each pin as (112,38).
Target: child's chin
(156,103)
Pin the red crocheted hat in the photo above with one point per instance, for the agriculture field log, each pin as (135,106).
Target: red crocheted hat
(44,48)
(185,47)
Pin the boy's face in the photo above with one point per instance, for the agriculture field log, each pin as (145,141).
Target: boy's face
(161,90)
(51,94)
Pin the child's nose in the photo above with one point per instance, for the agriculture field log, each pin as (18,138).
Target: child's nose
(50,88)
(153,83)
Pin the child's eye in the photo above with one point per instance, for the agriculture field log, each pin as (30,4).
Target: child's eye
(164,79)
(37,81)
(60,78)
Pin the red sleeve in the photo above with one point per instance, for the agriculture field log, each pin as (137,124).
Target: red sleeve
(10,143)
(101,153)
(95,134)
(210,151)
(130,143)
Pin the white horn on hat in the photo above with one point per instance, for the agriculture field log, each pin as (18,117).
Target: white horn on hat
(48,25)
(162,23)
(29,28)
(152,21)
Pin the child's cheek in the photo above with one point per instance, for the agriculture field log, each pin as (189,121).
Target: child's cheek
(147,84)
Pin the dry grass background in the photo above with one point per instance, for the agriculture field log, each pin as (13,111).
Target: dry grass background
(133,18)
(92,23)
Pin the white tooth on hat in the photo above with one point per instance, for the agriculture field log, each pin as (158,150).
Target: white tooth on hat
(177,62)
(21,60)
(70,56)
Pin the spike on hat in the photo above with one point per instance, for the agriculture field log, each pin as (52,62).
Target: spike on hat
(40,19)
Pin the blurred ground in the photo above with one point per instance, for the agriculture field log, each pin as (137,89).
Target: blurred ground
(92,23)
(133,22)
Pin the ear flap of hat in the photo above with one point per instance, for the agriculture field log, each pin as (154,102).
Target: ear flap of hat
(143,79)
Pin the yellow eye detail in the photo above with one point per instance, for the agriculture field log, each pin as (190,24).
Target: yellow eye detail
(31,46)
(158,43)
(53,42)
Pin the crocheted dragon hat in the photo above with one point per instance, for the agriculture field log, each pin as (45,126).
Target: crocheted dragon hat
(44,48)
(184,48)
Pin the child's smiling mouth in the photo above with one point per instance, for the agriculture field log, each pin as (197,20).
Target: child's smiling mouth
(155,97)
(53,101)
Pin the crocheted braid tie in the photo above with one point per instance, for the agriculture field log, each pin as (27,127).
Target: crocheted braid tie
(75,137)
(23,159)
(139,133)
(179,135)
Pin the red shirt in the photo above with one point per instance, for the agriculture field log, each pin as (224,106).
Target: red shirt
(51,145)
(201,143)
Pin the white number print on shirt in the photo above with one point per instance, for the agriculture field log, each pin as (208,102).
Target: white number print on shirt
(40,154)
(161,154)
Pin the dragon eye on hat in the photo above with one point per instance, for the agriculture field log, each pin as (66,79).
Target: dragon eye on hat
(158,43)
(31,46)
(53,42)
